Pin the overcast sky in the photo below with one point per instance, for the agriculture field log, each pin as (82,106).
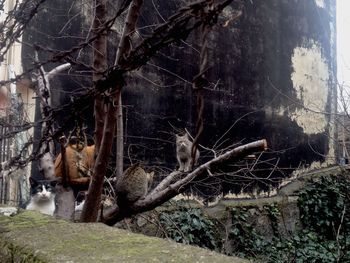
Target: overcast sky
(343,40)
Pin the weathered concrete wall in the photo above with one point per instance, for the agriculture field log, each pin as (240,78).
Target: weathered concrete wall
(33,237)
(271,75)
(270,217)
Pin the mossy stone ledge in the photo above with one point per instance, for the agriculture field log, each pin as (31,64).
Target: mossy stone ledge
(32,237)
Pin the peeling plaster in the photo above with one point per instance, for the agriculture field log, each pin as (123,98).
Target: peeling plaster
(320,3)
(310,81)
(331,158)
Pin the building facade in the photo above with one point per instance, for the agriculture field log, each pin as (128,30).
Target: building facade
(271,74)
(16,108)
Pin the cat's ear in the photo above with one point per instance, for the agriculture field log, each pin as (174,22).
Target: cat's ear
(151,174)
(33,182)
(53,183)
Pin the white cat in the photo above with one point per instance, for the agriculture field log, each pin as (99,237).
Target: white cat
(42,196)
(183,153)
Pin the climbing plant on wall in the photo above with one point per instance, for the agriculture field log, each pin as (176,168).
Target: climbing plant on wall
(324,212)
(324,206)
(190,226)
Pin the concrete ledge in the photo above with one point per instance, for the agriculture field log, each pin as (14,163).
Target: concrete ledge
(33,237)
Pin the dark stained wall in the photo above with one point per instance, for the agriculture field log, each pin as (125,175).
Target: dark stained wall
(264,68)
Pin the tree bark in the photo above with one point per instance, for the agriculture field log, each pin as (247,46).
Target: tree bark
(93,198)
(119,136)
(46,162)
(124,48)
(100,66)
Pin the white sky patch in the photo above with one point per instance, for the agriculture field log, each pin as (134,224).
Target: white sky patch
(343,41)
(320,3)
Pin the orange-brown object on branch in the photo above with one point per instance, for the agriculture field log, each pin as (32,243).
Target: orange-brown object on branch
(79,163)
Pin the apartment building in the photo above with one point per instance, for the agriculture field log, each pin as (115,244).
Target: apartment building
(17,106)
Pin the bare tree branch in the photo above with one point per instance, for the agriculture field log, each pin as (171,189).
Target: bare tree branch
(16,21)
(167,191)
(57,70)
(124,48)
(178,27)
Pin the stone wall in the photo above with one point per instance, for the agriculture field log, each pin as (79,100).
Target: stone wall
(275,216)
(33,237)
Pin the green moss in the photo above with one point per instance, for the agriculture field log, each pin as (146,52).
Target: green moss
(12,253)
(62,241)
(28,219)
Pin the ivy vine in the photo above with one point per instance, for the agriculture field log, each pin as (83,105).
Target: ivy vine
(324,206)
(190,226)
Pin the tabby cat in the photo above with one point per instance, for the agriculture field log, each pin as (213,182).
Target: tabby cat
(133,185)
(183,153)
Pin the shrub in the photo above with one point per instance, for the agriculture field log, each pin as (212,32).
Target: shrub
(190,226)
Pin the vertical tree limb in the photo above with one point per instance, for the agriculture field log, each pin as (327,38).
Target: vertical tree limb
(64,171)
(93,197)
(198,84)
(46,162)
(119,135)
(64,194)
(124,48)
(99,54)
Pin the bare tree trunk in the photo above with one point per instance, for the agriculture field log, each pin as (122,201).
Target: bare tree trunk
(64,194)
(65,203)
(93,198)
(64,197)
(46,162)
(123,51)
